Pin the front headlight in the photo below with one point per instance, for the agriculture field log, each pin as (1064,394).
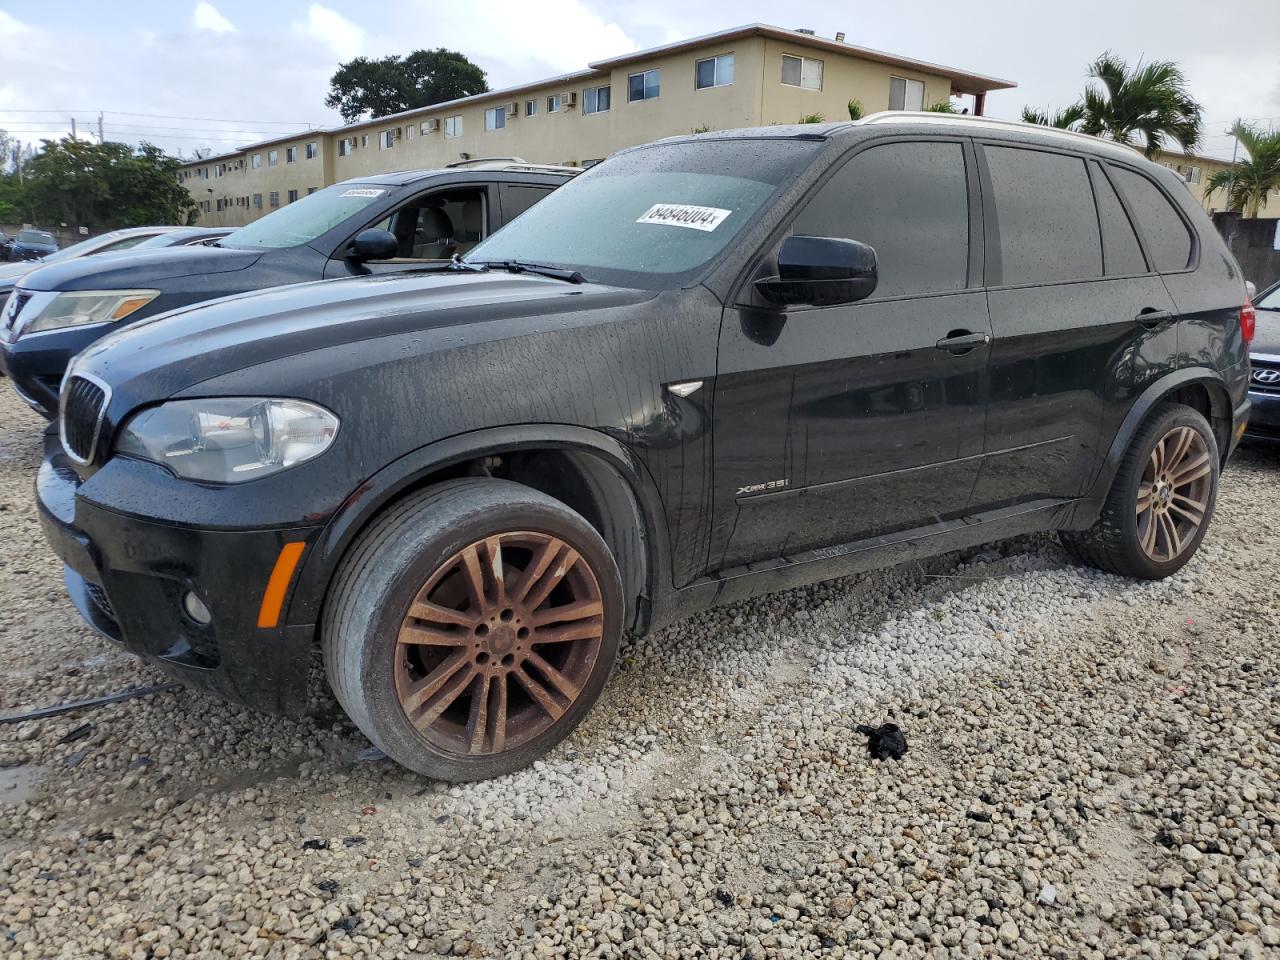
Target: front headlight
(81,307)
(229,440)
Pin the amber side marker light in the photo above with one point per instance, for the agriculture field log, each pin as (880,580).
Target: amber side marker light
(278,584)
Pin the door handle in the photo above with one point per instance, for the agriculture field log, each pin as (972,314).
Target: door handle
(1151,319)
(962,341)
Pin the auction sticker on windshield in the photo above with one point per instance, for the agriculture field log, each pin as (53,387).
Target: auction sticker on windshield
(362,192)
(685,215)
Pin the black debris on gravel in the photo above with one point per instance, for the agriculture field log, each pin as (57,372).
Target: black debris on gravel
(885,742)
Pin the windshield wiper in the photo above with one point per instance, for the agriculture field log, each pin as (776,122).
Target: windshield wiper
(541,269)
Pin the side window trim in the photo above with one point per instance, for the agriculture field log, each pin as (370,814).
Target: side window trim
(1097,169)
(1193,261)
(740,295)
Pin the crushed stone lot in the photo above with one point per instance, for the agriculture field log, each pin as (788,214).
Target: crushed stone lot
(1093,771)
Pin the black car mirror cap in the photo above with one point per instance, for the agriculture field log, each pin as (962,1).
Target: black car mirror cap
(821,271)
(373,244)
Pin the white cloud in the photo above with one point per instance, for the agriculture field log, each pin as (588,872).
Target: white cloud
(331,28)
(207,17)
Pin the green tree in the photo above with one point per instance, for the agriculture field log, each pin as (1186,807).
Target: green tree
(1142,106)
(813,118)
(374,88)
(942,106)
(1248,183)
(105,185)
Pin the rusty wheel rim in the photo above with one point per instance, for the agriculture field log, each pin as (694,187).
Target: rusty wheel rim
(1173,494)
(498,643)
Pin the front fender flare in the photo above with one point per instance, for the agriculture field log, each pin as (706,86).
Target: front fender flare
(409,471)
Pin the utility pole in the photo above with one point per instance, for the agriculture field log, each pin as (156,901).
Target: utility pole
(73,128)
(1235,147)
(102,137)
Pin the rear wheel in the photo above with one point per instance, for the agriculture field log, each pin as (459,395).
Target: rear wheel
(1160,501)
(472,628)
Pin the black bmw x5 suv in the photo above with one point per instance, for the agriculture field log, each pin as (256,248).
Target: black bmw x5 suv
(710,367)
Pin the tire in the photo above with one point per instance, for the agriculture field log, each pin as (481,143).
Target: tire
(1122,540)
(508,697)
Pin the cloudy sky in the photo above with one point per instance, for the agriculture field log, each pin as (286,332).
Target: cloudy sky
(217,73)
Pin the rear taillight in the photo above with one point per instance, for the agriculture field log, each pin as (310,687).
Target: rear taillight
(1248,320)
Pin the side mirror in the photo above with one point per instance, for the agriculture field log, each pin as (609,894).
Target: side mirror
(821,272)
(373,244)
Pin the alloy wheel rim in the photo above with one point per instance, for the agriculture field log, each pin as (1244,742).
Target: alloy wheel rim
(498,643)
(1173,494)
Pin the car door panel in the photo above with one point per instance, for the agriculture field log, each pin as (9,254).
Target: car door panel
(1068,284)
(839,423)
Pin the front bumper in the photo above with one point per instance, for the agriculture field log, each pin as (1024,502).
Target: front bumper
(127,576)
(1264,417)
(36,362)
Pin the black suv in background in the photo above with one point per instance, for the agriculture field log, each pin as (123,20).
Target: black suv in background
(380,224)
(708,368)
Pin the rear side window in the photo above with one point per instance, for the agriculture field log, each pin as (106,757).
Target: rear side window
(517,198)
(1048,225)
(1121,253)
(910,202)
(1165,233)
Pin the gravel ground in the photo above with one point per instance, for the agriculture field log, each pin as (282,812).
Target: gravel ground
(1093,772)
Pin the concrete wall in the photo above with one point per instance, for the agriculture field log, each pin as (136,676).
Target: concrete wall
(1253,244)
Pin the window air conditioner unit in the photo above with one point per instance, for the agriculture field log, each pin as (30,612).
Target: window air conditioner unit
(513,109)
(431,126)
(569,99)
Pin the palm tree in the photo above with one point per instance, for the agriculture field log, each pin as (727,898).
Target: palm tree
(1067,119)
(1248,183)
(855,109)
(1146,104)
(1149,103)
(813,118)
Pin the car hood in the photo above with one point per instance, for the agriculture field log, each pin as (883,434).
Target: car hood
(128,270)
(172,352)
(10,272)
(1266,335)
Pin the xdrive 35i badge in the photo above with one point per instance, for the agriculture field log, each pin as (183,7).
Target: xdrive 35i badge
(761,487)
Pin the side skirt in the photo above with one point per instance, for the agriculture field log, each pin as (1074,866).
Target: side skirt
(829,563)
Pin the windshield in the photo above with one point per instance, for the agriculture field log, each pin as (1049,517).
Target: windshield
(1270,300)
(651,218)
(35,236)
(75,250)
(305,219)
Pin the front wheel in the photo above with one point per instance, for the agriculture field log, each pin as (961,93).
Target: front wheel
(472,627)
(1160,501)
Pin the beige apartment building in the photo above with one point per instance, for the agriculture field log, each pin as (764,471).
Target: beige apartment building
(748,76)
(1195,170)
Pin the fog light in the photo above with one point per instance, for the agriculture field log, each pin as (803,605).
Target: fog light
(195,608)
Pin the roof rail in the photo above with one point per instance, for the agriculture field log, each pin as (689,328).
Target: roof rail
(509,163)
(992,123)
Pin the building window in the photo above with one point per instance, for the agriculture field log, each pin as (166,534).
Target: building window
(293,195)
(553,103)
(453,126)
(344,147)
(427,127)
(1188,173)
(311,190)
(643,86)
(364,139)
(257,201)
(274,199)
(495,119)
(802,72)
(273,157)
(714,71)
(906,94)
(596,100)
(387,139)
(531,108)
(290,154)
(313,150)
(222,204)
(255,161)
(408,131)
